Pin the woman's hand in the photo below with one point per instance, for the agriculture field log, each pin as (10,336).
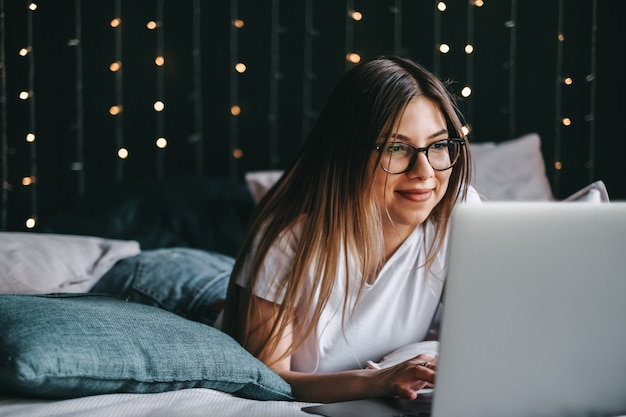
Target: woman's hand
(405,379)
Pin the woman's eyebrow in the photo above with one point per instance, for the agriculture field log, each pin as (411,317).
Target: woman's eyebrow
(439,133)
(432,136)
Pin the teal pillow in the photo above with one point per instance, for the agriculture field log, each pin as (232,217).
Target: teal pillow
(74,345)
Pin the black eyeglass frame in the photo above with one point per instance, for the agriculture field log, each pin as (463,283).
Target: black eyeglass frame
(425,149)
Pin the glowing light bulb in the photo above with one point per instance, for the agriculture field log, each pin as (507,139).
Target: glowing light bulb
(465,129)
(32,6)
(356,15)
(561,37)
(159,61)
(30,137)
(238,153)
(568,81)
(151,25)
(469,49)
(353,57)
(24,51)
(115,110)
(441,6)
(158,106)
(114,67)
(240,67)
(466,91)
(26,181)
(122,153)
(478,3)
(24,95)
(444,48)
(31,222)
(235,110)
(238,23)
(558,165)
(161,143)
(116,22)
(566,121)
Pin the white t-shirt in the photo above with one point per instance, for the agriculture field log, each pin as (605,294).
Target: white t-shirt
(393,312)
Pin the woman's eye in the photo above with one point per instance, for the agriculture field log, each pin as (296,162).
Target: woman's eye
(440,145)
(397,149)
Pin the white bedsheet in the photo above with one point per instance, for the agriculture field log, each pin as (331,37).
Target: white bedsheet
(192,402)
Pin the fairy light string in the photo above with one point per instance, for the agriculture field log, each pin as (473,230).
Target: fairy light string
(118,108)
(309,75)
(591,78)
(512,66)
(440,7)
(197,137)
(397,27)
(275,77)
(79,163)
(4,173)
(235,109)
(558,107)
(159,105)
(31,137)
(466,92)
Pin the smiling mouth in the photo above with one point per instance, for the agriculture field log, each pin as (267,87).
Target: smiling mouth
(416,196)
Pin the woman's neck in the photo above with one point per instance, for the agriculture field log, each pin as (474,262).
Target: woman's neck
(394,236)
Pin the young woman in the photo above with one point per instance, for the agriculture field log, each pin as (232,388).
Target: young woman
(345,258)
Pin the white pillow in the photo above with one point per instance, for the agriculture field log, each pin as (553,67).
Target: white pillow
(593,193)
(39,263)
(259,182)
(512,170)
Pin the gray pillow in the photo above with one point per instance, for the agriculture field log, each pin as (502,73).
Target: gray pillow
(73,345)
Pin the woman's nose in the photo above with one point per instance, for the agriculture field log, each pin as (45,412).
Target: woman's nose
(421,168)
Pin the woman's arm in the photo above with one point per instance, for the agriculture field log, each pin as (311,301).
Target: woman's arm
(402,380)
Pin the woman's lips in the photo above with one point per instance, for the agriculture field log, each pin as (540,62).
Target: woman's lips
(417,196)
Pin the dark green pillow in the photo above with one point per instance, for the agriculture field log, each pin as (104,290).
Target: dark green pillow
(73,345)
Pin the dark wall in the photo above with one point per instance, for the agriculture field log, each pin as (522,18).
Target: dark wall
(294,52)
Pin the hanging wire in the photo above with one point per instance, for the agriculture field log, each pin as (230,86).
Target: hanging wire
(3,130)
(558,99)
(119,92)
(309,75)
(513,71)
(397,28)
(160,86)
(592,96)
(198,135)
(79,165)
(274,84)
(32,119)
(234,90)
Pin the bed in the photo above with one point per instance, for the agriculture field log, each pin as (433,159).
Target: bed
(65,352)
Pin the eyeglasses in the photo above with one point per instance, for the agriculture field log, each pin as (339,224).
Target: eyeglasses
(400,157)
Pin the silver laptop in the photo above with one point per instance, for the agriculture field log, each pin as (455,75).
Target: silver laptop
(534,321)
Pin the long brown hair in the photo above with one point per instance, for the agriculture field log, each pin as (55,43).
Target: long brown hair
(328,192)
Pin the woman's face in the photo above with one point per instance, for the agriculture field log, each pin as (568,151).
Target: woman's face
(407,199)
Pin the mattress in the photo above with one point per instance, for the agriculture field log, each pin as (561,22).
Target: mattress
(191,402)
